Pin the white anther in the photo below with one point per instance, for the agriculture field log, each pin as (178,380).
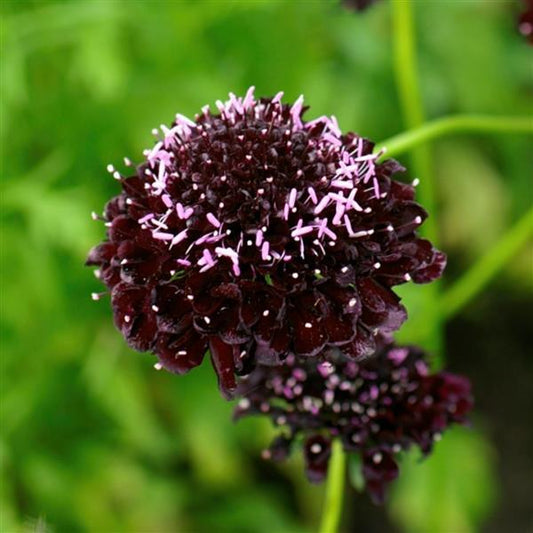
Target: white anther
(316,448)
(244,403)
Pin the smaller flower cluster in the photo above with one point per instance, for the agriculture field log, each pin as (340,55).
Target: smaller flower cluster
(377,408)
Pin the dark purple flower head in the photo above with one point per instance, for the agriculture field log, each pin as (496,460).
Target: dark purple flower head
(358,5)
(525,22)
(377,407)
(254,234)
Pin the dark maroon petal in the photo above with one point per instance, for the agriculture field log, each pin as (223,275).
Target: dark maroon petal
(381,307)
(279,449)
(103,253)
(223,359)
(379,469)
(362,346)
(134,316)
(431,271)
(181,353)
(173,309)
(115,207)
(317,451)
(123,228)
(339,330)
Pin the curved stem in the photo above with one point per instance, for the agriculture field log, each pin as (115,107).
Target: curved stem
(334,489)
(481,273)
(455,124)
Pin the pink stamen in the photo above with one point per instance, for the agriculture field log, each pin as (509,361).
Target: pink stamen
(249,98)
(339,211)
(332,139)
(264,250)
(334,126)
(146,218)
(258,238)
(183,262)
(296,111)
(179,237)
(302,231)
(162,236)
(208,258)
(166,200)
(322,226)
(322,204)
(330,234)
(277,98)
(292,197)
(339,184)
(227,252)
(213,220)
(312,195)
(236,103)
(320,120)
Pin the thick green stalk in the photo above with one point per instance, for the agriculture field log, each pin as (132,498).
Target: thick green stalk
(334,489)
(412,138)
(481,273)
(409,94)
(408,85)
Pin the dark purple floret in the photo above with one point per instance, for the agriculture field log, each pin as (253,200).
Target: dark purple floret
(253,234)
(377,408)
(525,22)
(358,5)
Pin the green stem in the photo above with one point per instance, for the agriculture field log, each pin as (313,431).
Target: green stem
(334,489)
(482,272)
(455,124)
(407,82)
(409,94)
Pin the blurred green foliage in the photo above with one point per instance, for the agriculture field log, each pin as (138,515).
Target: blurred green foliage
(93,439)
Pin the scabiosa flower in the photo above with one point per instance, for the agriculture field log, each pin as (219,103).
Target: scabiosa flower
(525,22)
(377,407)
(254,234)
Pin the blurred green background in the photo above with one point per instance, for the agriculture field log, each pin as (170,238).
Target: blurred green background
(93,439)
